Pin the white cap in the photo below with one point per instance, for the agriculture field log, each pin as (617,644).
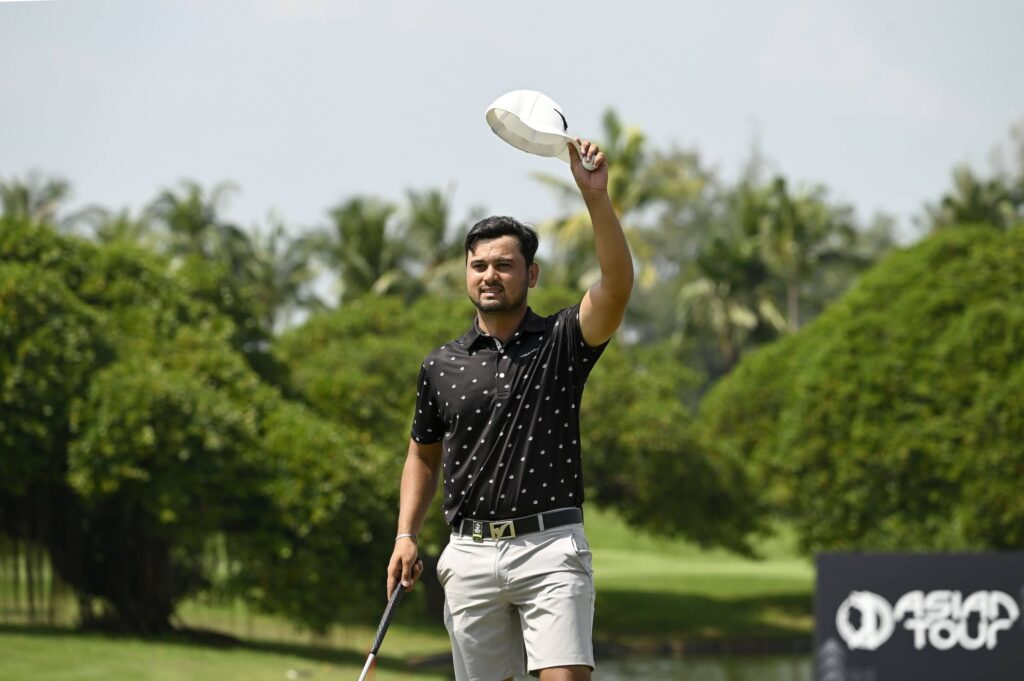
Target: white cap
(533,122)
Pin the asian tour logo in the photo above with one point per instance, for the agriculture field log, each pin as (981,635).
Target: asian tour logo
(941,619)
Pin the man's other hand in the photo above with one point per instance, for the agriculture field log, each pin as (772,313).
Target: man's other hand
(405,567)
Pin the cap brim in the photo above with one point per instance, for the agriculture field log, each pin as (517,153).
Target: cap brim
(540,141)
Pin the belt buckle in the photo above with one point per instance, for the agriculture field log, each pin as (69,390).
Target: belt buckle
(498,529)
(478,531)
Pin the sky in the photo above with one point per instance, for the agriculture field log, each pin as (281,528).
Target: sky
(304,103)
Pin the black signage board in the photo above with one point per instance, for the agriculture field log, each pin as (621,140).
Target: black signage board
(919,617)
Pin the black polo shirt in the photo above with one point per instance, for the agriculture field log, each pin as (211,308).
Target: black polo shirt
(509,417)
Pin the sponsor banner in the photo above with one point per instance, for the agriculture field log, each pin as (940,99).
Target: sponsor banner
(935,617)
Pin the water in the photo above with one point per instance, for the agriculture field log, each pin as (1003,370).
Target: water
(717,668)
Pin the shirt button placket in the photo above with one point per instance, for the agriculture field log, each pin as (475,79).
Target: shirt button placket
(502,371)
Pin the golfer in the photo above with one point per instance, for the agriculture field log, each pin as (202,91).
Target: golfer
(497,418)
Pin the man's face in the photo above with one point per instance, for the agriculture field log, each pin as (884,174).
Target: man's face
(497,278)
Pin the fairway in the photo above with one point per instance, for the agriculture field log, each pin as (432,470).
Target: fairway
(651,592)
(655,588)
(85,657)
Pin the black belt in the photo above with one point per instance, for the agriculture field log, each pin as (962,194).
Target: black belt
(517,527)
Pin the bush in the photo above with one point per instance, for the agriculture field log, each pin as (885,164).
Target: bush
(894,421)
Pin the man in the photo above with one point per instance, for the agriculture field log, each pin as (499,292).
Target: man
(497,414)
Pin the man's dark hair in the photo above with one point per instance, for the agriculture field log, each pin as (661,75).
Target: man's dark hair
(498,226)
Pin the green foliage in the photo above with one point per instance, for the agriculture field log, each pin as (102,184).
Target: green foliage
(643,456)
(894,420)
(244,277)
(358,366)
(47,351)
(997,200)
(146,437)
(34,199)
(316,552)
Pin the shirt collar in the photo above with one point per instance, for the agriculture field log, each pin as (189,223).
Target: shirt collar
(532,323)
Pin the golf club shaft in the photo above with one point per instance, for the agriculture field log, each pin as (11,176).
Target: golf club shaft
(382,628)
(385,621)
(366,667)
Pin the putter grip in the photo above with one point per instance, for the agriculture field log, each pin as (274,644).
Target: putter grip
(389,612)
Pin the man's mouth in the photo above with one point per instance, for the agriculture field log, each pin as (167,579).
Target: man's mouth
(490,291)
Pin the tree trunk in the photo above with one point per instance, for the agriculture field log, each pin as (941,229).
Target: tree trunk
(112,553)
(30,580)
(793,306)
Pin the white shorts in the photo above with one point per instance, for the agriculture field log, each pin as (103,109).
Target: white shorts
(520,604)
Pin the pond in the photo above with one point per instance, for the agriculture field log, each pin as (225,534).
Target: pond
(708,668)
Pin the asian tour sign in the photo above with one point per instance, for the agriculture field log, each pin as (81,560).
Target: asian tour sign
(939,617)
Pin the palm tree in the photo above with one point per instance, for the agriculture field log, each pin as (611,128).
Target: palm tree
(108,226)
(725,302)
(799,235)
(35,199)
(632,186)
(973,200)
(367,248)
(772,258)
(436,243)
(279,273)
(192,221)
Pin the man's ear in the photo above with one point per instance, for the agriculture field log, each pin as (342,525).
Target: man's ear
(534,274)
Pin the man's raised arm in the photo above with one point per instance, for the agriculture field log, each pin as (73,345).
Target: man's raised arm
(604,304)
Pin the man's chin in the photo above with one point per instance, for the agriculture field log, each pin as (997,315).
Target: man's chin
(502,305)
(491,305)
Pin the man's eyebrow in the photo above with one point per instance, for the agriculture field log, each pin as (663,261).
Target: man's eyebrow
(498,259)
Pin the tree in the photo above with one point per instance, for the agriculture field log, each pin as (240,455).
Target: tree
(367,248)
(191,220)
(632,186)
(894,419)
(217,260)
(141,438)
(381,248)
(997,200)
(726,297)
(768,260)
(107,226)
(436,242)
(644,457)
(278,273)
(35,199)
(358,365)
(973,200)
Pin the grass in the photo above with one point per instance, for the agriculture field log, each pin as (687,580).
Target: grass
(55,655)
(649,589)
(670,589)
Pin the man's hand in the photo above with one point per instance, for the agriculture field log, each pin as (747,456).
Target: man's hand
(405,567)
(590,182)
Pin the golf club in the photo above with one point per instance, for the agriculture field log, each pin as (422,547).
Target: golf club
(382,628)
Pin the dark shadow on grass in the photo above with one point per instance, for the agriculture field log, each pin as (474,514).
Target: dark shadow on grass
(627,622)
(214,640)
(647,614)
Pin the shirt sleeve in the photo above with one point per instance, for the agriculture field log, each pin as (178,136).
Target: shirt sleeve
(427,423)
(582,356)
